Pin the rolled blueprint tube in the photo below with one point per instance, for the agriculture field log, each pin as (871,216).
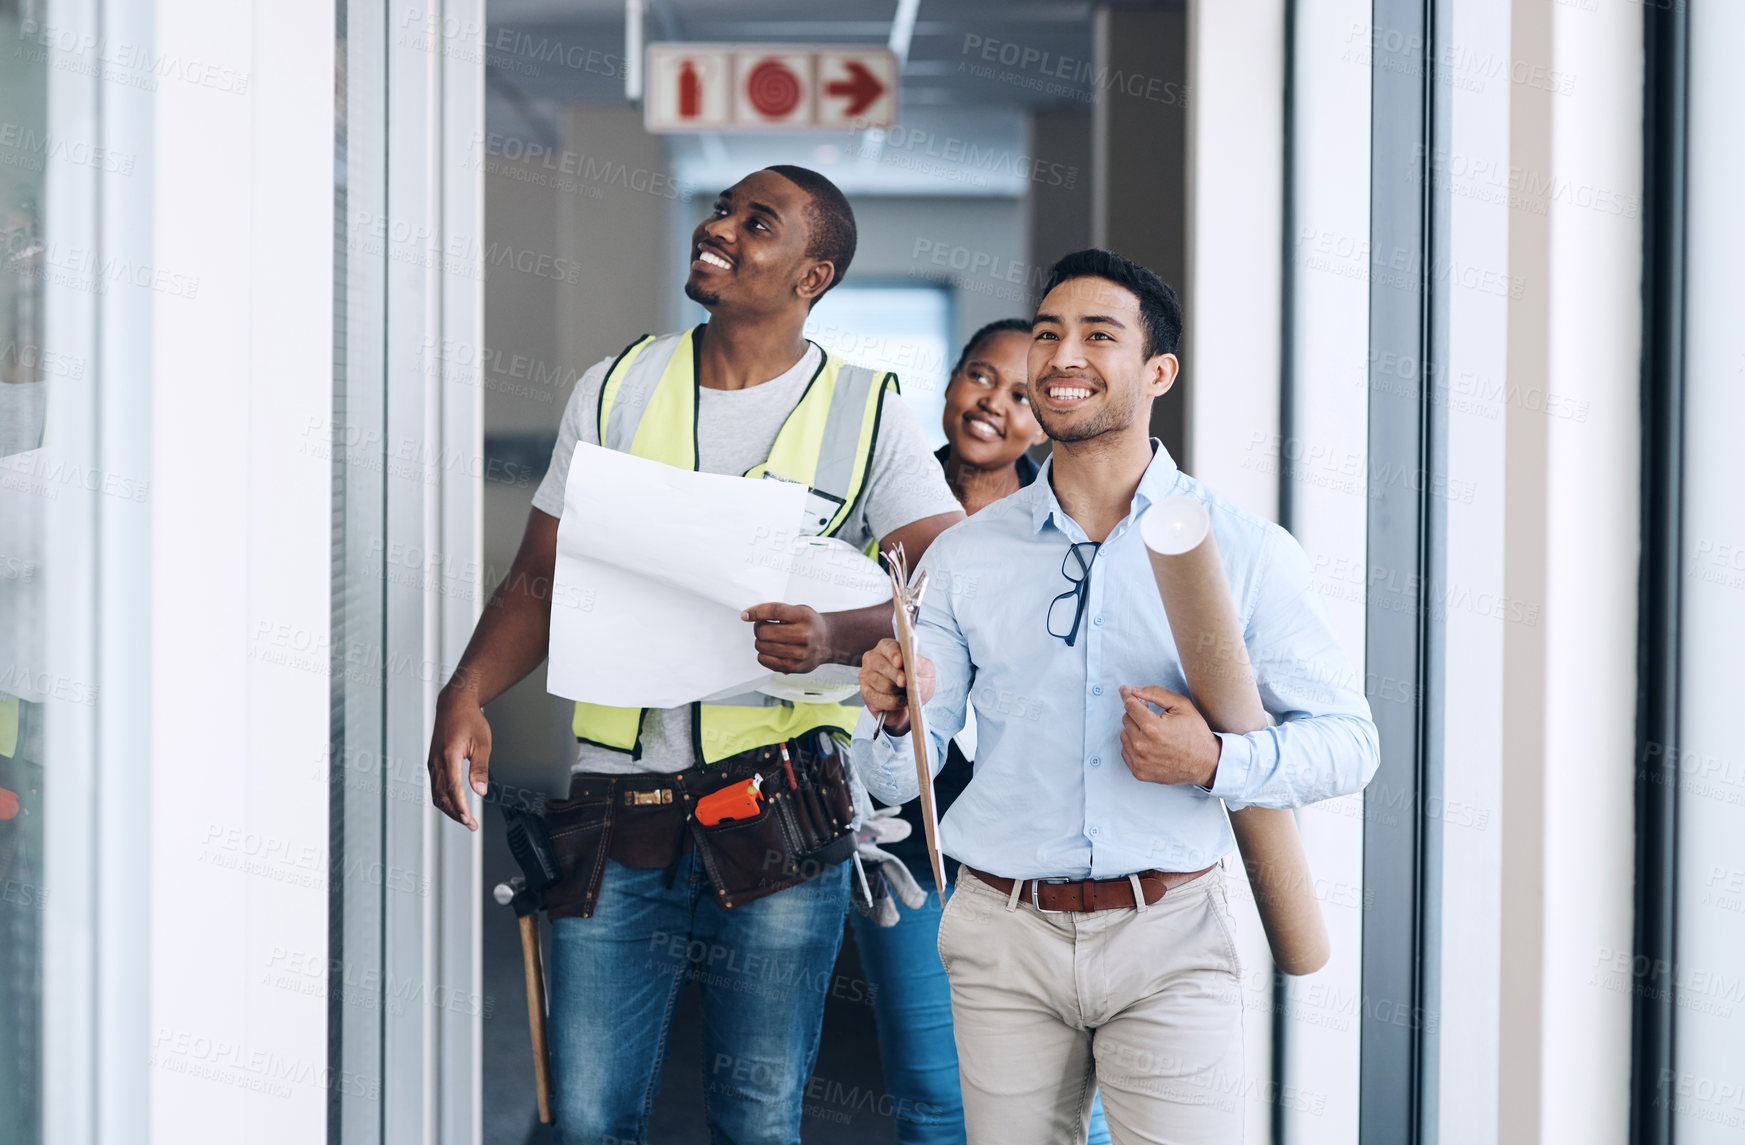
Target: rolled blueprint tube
(1202,617)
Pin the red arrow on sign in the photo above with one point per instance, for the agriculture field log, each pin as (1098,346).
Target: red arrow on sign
(861,87)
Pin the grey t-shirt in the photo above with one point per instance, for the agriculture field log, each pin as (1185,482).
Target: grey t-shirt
(735,431)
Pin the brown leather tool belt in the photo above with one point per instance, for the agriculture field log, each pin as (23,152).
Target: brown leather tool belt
(645,821)
(1054,896)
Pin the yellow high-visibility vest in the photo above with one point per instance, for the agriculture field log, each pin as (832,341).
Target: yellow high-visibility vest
(648,407)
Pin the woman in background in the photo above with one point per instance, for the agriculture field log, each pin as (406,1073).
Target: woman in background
(988,429)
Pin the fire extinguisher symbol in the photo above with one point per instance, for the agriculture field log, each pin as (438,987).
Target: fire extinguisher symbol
(690,91)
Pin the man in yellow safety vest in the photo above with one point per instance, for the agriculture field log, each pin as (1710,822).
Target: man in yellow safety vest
(650,894)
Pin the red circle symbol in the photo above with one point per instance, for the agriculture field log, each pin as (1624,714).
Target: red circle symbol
(773,88)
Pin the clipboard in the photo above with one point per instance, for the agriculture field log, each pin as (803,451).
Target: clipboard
(906,602)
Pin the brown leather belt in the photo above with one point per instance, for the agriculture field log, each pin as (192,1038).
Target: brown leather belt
(1055,896)
(658,788)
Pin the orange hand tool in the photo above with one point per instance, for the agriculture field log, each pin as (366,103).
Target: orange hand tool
(735,801)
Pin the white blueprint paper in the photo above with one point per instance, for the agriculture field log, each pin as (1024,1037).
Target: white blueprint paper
(654,566)
(831,576)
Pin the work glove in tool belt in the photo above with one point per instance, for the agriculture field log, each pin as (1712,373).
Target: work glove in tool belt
(885,873)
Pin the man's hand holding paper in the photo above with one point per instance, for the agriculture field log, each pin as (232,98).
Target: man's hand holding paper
(673,586)
(791,638)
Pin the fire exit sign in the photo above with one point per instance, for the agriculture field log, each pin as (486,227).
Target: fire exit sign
(768,87)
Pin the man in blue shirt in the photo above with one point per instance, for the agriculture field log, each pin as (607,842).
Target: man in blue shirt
(1089,942)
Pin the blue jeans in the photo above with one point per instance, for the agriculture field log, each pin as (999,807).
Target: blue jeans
(764,969)
(912,1003)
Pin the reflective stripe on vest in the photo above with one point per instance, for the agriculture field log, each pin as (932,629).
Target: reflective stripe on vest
(648,407)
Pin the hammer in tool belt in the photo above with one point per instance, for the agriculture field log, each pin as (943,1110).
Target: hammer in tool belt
(524,823)
(514,893)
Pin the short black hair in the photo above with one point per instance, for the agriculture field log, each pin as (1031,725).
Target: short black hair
(1159,309)
(829,220)
(1021,325)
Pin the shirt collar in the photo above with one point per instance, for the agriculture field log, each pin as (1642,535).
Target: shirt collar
(1026,468)
(1157,483)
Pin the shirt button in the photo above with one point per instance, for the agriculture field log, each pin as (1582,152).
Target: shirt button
(1097,620)
(1093,832)
(1096,689)
(1096,761)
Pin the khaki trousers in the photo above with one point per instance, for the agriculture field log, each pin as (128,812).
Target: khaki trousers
(1145,1005)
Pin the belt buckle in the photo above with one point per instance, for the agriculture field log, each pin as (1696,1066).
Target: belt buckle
(657,797)
(1036,901)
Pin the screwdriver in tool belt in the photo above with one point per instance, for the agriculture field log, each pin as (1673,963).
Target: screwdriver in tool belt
(859,867)
(804,797)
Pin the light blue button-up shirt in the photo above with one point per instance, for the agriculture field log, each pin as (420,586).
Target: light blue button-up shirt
(1051,796)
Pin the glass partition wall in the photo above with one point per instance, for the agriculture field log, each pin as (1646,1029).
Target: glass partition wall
(1399,438)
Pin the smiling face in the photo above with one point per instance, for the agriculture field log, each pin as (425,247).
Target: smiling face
(750,253)
(1089,374)
(988,422)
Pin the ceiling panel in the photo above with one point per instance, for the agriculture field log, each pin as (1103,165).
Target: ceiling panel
(975,69)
